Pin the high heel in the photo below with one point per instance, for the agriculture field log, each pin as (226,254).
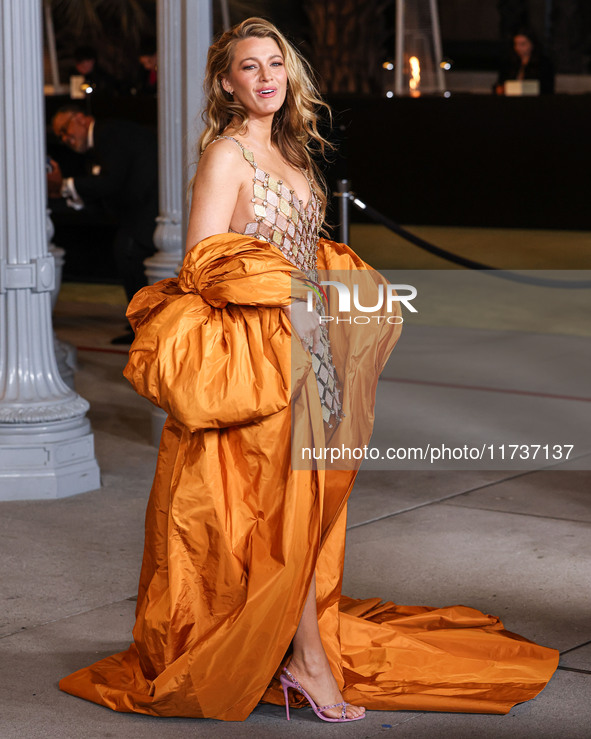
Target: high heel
(287,681)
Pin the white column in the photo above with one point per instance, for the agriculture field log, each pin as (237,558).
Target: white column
(184,35)
(168,237)
(46,445)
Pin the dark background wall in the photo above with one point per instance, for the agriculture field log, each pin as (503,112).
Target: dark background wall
(471,160)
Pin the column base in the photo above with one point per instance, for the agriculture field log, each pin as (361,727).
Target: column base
(162,265)
(45,461)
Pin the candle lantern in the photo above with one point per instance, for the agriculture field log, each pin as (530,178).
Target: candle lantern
(419,56)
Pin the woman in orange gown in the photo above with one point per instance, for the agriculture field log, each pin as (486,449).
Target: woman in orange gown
(244,553)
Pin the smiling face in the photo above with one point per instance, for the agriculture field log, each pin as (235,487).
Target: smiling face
(257,76)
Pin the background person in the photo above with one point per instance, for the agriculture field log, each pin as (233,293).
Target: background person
(124,158)
(526,62)
(148,59)
(86,65)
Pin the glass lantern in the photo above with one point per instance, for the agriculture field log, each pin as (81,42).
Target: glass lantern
(419,56)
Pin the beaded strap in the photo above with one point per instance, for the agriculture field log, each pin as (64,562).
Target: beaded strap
(320,708)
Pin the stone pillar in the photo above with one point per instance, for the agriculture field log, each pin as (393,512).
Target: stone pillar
(184,35)
(46,445)
(168,237)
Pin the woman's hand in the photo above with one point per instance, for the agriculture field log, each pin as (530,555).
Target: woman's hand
(305,323)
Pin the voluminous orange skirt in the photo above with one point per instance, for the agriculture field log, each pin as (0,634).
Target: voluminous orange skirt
(234,534)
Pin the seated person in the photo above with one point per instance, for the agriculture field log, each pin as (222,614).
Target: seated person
(526,62)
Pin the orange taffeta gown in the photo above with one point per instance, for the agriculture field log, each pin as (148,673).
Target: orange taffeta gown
(234,534)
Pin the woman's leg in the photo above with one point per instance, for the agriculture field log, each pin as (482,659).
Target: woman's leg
(309,663)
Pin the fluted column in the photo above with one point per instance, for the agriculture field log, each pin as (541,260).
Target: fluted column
(168,237)
(46,445)
(184,35)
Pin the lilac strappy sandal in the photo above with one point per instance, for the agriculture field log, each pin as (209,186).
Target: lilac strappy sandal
(287,681)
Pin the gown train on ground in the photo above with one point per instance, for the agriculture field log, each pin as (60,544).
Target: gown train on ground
(234,534)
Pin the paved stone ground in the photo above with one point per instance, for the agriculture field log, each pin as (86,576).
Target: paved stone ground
(513,543)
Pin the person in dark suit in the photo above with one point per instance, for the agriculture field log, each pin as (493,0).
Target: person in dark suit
(124,181)
(526,62)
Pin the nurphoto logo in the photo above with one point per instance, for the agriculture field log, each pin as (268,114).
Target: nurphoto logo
(390,296)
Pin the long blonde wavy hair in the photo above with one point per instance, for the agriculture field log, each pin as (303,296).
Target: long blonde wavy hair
(295,125)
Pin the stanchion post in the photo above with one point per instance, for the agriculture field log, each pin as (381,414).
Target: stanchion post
(343,196)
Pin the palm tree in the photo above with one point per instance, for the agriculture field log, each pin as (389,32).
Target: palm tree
(348,42)
(117,25)
(91,16)
(114,26)
(346,37)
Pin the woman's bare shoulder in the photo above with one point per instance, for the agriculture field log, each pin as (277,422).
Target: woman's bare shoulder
(221,174)
(222,153)
(221,164)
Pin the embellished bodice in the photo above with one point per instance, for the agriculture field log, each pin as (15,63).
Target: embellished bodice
(282,219)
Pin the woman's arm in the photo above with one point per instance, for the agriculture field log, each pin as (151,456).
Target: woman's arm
(219,178)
